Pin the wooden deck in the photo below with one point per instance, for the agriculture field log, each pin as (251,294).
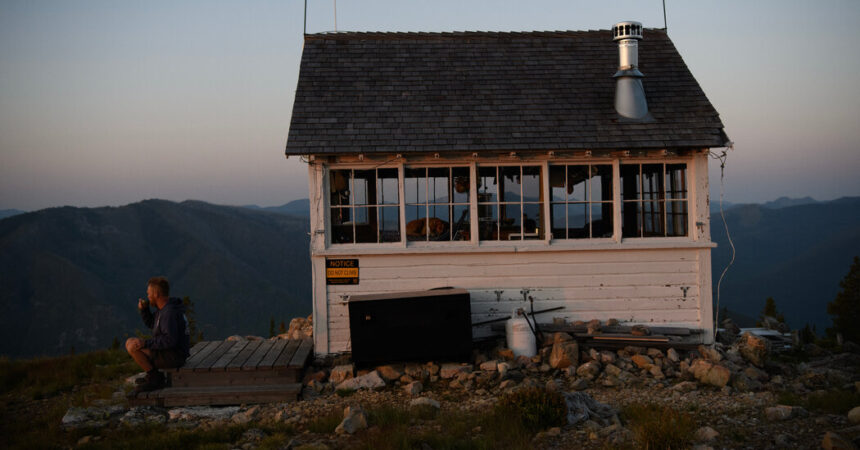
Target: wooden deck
(234,372)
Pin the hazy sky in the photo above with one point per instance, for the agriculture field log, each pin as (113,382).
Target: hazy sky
(110,102)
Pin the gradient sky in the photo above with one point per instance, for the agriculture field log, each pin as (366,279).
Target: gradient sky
(111,102)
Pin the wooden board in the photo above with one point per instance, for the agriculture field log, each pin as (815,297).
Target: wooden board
(287,355)
(257,356)
(239,360)
(192,362)
(232,395)
(229,355)
(214,356)
(301,356)
(269,360)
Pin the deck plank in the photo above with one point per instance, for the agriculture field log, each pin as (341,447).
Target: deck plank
(239,360)
(206,364)
(269,360)
(257,356)
(197,347)
(228,356)
(287,355)
(301,356)
(193,361)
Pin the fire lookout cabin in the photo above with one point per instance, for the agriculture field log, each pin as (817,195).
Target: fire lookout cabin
(569,167)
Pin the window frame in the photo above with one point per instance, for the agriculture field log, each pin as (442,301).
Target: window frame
(548,240)
(689,199)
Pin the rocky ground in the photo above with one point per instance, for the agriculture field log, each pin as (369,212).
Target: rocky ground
(739,395)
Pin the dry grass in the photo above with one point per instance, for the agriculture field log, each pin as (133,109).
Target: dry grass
(659,427)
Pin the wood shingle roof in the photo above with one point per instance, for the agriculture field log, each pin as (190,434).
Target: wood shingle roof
(489,91)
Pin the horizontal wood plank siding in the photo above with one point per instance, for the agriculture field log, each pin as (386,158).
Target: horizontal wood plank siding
(638,286)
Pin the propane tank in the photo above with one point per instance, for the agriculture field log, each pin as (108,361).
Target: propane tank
(520,338)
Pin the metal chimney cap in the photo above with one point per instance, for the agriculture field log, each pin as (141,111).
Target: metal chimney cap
(627,30)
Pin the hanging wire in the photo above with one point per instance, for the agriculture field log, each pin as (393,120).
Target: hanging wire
(721,157)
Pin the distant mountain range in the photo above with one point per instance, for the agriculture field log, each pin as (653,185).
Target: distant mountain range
(796,253)
(71,277)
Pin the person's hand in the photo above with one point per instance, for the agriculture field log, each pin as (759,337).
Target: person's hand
(135,344)
(142,304)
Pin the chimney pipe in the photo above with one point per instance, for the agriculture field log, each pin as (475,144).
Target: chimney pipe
(629,94)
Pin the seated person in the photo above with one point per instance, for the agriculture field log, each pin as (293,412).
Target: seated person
(170,342)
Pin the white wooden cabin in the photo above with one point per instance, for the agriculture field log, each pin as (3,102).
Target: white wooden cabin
(499,163)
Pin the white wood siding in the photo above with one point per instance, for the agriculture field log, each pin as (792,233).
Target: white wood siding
(633,286)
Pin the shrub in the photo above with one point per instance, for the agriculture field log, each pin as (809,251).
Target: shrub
(536,408)
(659,427)
(326,423)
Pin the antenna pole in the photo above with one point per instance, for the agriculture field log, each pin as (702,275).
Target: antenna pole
(665,27)
(305,28)
(335,16)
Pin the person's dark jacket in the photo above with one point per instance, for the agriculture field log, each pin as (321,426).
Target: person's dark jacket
(169,327)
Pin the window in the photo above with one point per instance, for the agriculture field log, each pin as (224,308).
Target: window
(581,201)
(510,203)
(654,200)
(365,205)
(437,203)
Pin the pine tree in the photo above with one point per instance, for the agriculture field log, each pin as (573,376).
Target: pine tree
(196,335)
(283,328)
(770,311)
(271,327)
(845,308)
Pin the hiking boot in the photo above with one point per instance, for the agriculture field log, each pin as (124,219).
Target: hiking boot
(156,381)
(141,380)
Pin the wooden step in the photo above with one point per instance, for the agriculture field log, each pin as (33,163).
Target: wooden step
(218,395)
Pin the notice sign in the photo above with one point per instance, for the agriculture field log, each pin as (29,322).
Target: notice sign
(341,271)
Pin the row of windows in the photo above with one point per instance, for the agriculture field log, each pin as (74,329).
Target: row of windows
(365,203)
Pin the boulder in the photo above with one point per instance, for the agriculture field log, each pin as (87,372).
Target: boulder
(743,383)
(753,348)
(607,357)
(370,380)
(490,366)
(672,355)
(612,370)
(354,419)
(833,441)
(301,328)
(414,388)
(564,354)
(656,372)
(560,337)
(705,434)
(202,412)
(718,376)
(778,413)
(710,353)
(450,370)
(589,370)
(388,373)
(642,361)
(93,417)
(340,373)
(640,330)
(654,353)
(612,323)
(579,384)
(854,415)
(684,386)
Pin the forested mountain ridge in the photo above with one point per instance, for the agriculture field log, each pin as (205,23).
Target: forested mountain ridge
(71,277)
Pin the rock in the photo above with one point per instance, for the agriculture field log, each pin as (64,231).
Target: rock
(490,366)
(253,435)
(561,337)
(300,328)
(706,434)
(593,323)
(93,417)
(718,376)
(132,380)
(589,370)
(854,415)
(503,369)
(554,385)
(612,370)
(833,441)
(202,412)
(507,384)
(640,330)
(612,323)
(354,419)
(416,372)
(143,415)
(388,373)
(236,338)
(506,354)
(424,401)
(778,412)
(654,353)
(340,373)
(672,355)
(656,372)
(684,386)
(642,361)
(782,440)
(755,373)
(564,354)
(245,416)
(710,353)
(743,383)
(607,357)
(413,388)
(753,348)
(450,370)
(370,380)
(579,384)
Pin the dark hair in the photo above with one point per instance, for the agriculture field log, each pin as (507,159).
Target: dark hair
(162,287)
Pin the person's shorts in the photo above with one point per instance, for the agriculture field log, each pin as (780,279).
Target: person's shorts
(167,359)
